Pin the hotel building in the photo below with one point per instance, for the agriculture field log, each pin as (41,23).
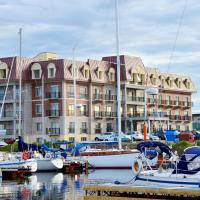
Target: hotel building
(48,97)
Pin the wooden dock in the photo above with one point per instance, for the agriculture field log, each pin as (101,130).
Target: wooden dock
(133,192)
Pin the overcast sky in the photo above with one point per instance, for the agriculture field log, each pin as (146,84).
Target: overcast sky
(164,33)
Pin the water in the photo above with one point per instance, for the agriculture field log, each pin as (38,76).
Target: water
(47,186)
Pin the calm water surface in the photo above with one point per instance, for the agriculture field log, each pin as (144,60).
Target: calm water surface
(43,186)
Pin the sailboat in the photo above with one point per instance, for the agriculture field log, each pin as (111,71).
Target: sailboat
(111,158)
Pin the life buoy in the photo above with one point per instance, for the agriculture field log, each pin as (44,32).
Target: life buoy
(48,155)
(25,155)
(137,167)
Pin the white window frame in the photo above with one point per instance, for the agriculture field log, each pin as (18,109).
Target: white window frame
(50,67)
(36,66)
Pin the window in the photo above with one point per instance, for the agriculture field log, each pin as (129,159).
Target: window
(84,127)
(51,70)
(100,75)
(3,73)
(86,73)
(84,110)
(71,127)
(83,92)
(83,139)
(177,100)
(38,108)
(97,108)
(71,109)
(98,128)
(38,126)
(38,91)
(54,106)
(108,109)
(54,91)
(70,91)
(71,139)
(54,125)
(109,127)
(36,73)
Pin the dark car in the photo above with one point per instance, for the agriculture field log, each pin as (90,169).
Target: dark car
(161,135)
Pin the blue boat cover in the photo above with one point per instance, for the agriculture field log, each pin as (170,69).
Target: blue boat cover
(152,145)
(189,162)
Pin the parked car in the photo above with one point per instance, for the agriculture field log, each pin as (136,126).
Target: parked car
(124,137)
(153,137)
(187,136)
(172,135)
(104,136)
(135,136)
(160,134)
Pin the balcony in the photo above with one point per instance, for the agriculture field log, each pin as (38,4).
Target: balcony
(83,96)
(70,95)
(110,97)
(98,130)
(98,114)
(53,131)
(151,101)
(97,97)
(175,117)
(110,114)
(9,97)
(157,114)
(84,130)
(71,130)
(83,113)
(187,118)
(8,114)
(186,104)
(53,113)
(53,95)
(135,99)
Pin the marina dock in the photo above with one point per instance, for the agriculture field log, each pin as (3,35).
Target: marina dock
(109,191)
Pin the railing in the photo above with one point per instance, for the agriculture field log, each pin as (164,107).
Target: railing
(83,96)
(109,97)
(8,97)
(83,113)
(70,112)
(53,131)
(134,98)
(84,130)
(97,97)
(8,114)
(98,114)
(110,114)
(53,113)
(53,95)
(70,95)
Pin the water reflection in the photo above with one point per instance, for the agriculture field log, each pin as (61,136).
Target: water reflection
(47,186)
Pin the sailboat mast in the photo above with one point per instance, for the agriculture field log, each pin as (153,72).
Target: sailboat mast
(118,76)
(20,81)
(43,128)
(74,84)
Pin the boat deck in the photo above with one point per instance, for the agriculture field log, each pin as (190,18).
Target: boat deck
(140,190)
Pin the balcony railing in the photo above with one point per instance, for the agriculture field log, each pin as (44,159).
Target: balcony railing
(83,96)
(8,97)
(83,113)
(53,95)
(97,97)
(8,114)
(53,113)
(134,98)
(53,131)
(98,114)
(70,112)
(110,114)
(109,97)
(98,130)
(84,130)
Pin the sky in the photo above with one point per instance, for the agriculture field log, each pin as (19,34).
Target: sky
(164,33)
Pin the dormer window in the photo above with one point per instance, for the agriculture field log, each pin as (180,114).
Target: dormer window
(36,71)
(111,74)
(3,70)
(100,75)
(86,73)
(51,70)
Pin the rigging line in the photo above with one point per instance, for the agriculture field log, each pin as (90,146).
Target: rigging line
(177,34)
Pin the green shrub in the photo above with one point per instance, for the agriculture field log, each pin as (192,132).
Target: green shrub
(10,148)
(180,146)
(198,142)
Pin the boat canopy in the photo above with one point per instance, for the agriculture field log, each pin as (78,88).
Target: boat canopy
(158,146)
(189,161)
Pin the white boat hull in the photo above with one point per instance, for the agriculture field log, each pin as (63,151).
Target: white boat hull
(25,164)
(169,178)
(46,164)
(121,161)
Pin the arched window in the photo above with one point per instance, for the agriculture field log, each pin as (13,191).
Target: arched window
(3,70)
(36,71)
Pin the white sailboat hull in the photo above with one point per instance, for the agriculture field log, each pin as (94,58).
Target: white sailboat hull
(25,164)
(46,164)
(121,161)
